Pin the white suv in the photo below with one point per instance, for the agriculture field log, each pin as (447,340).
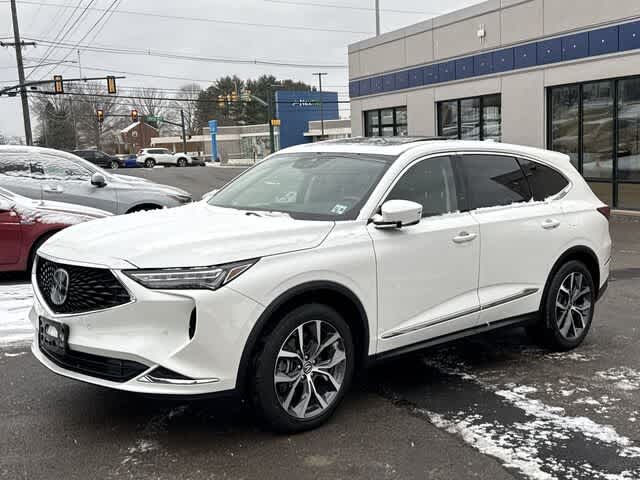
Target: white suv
(150,157)
(319,260)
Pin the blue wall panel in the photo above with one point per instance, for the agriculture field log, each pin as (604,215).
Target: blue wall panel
(389,82)
(604,40)
(575,46)
(503,60)
(296,109)
(464,68)
(629,36)
(354,89)
(525,56)
(377,84)
(365,86)
(430,74)
(549,51)
(447,71)
(416,77)
(402,80)
(483,64)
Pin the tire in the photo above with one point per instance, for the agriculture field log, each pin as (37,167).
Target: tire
(34,248)
(114,165)
(182,162)
(149,163)
(270,397)
(567,310)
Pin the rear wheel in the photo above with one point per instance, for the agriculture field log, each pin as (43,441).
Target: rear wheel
(567,312)
(182,162)
(114,165)
(304,368)
(149,163)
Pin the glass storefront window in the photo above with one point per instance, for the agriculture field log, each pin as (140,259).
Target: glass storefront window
(387,122)
(470,119)
(477,118)
(565,122)
(629,130)
(597,130)
(603,190)
(629,195)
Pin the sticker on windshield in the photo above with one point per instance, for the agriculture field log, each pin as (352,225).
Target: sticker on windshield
(339,209)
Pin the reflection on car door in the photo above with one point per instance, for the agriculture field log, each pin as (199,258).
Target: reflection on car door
(66,181)
(15,175)
(521,237)
(427,273)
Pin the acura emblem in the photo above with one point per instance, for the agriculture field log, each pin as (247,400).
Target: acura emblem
(60,286)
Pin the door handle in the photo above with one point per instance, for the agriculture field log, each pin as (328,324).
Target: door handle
(465,237)
(550,224)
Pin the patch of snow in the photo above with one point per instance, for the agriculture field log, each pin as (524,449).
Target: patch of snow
(625,378)
(11,355)
(576,357)
(15,302)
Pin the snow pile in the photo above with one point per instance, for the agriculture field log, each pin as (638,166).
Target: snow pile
(15,302)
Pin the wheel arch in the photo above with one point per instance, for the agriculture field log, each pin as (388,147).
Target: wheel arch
(332,294)
(582,254)
(144,206)
(37,243)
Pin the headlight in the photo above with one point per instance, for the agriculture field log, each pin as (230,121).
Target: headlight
(191,278)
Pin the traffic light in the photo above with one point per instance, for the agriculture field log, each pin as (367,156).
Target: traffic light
(58,84)
(134,116)
(111,85)
(100,115)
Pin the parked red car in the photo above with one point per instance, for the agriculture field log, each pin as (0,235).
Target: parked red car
(26,224)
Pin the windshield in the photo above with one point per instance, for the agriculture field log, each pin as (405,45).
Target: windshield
(307,186)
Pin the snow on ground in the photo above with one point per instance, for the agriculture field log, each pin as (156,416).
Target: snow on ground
(15,302)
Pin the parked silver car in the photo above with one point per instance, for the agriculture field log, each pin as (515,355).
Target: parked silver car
(47,174)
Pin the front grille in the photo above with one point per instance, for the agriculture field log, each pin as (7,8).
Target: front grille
(88,288)
(106,368)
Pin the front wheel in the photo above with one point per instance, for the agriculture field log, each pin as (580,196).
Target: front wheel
(182,162)
(303,369)
(149,163)
(567,312)
(114,165)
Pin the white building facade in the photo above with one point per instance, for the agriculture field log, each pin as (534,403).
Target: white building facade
(558,74)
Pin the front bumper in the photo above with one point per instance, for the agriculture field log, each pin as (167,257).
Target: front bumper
(154,330)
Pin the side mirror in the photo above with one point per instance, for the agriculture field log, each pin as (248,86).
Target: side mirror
(207,196)
(98,180)
(398,214)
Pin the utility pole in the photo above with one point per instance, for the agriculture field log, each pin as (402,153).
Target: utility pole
(320,75)
(23,90)
(272,137)
(184,133)
(377,18)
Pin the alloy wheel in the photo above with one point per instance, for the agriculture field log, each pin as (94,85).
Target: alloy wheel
(573,306)
(310,369)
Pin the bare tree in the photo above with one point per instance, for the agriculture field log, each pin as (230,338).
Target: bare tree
(151,103)
(188,95)
(93,97)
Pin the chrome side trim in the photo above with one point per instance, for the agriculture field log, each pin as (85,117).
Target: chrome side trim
(516,296)
(431,323)
(171,381)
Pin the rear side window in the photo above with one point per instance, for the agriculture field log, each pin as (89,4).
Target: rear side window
(14,165)
(544,181)
(431,184)
(494,180)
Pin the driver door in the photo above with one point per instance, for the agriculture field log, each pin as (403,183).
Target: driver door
(10,234)
(427,273)
(63,180)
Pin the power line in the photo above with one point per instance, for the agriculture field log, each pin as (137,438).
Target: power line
(178,56)
(348,7)
(206,20)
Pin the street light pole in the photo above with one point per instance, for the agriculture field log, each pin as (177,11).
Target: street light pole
(23,91)
(320,75)
(184,133)
(377,18)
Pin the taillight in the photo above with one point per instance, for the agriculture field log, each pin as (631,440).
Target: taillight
(606,211)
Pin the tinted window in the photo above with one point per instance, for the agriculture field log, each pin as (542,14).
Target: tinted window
(431,184)
(494,180)
(14,165)
(544,181)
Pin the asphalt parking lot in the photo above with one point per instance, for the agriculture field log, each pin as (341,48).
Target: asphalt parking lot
(492,407)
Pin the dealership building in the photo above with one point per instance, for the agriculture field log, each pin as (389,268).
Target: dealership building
(557,74)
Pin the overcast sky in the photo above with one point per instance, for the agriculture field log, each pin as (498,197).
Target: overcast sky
(294,36)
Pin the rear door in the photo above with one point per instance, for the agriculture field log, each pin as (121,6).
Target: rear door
(64,180)
(15,175)
(10,233)
(521,235)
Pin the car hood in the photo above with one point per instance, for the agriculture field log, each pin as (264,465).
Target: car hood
(32,211)
(193,235)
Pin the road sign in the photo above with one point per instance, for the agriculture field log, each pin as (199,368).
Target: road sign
(153,118)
